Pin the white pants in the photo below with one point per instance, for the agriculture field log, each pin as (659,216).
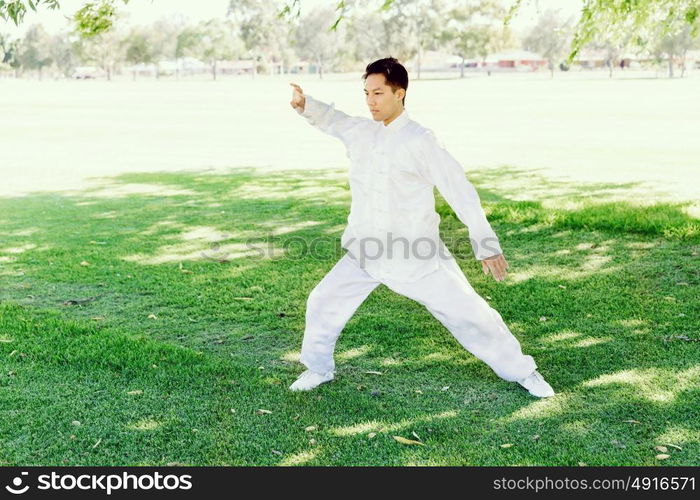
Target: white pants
(446,293)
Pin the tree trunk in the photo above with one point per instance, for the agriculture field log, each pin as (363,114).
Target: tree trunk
(157,72)
(683,62)
(133,72)
(213,70)
(320,69)
(485,66)
(420,56)
(670,66)
(461,69)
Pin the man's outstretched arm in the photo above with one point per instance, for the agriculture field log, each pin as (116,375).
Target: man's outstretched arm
(441,169)
(323,116)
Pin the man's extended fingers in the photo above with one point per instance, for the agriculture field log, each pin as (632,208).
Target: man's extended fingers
(497,267)
(497,273)
(502,267)
(505,262)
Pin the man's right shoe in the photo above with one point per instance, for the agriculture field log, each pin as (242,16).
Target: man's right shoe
(309,380)
(536,385)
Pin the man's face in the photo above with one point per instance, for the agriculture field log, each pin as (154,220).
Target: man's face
(381,101)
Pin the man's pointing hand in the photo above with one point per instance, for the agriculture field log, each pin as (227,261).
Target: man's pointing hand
(298,100)
(497,265)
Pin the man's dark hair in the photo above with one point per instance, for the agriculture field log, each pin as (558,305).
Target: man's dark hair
(394,73)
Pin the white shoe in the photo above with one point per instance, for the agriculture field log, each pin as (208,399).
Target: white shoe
(309,379)
(536,385)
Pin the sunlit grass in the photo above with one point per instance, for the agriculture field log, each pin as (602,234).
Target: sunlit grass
(163,321)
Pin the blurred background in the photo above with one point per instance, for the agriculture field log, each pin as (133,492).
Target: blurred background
(153,85)
(216,38)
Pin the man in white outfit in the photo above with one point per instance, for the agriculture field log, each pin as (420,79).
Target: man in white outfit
(392,236)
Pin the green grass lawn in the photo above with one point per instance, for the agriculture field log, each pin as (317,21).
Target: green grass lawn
(141,324)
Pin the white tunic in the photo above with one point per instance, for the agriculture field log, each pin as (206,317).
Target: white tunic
(393,228)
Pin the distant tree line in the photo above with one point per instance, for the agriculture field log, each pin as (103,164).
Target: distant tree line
(340,36)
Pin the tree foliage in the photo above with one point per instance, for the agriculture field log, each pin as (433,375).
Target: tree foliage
(653,17)
(15,10)
(93,18)
(105,49)
(549,38)
(619,18)
(316,41)
(474,29)
(35,52)
(266,36)
(211,41)
(660,17)
(262,32)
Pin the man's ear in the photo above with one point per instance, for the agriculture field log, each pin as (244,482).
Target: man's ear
(400,94)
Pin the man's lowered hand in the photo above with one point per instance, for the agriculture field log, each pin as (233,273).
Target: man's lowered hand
(497,265)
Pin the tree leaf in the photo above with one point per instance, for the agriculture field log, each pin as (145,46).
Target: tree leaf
(662,456)
(403,440)
(507,445)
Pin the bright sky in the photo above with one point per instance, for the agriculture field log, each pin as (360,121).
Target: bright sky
(147,11)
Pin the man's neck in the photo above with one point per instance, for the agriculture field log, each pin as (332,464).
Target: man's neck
(393,117)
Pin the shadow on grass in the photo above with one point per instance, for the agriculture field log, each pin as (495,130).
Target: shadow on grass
(600,294)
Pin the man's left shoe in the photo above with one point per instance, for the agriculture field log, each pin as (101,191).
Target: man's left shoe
(310,380)
(536,385)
